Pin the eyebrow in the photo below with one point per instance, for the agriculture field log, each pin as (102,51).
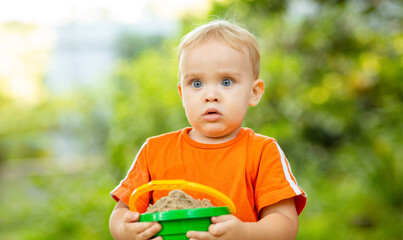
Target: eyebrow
(191,75)
(230,73)
(223,73)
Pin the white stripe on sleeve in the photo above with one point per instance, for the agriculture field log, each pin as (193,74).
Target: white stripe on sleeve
(284,162)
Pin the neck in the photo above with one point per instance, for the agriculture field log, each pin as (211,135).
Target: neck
(198,137)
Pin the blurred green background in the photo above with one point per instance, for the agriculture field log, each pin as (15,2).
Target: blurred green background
(333,100)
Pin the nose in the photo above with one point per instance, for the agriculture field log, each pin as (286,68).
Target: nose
(211,99)
(211,95)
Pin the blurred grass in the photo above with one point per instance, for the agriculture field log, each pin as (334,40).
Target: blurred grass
(45,201)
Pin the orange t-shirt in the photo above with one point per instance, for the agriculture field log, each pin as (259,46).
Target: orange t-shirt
(250,169)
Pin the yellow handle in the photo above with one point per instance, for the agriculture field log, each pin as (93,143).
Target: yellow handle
(178,184)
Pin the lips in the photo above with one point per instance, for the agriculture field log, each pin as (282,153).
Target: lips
(212,115)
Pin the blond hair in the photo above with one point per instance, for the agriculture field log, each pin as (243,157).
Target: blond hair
(236,36)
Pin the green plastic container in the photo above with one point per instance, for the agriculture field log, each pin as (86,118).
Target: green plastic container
(176,223)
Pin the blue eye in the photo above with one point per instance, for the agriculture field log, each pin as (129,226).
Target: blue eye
(197,84)
(226,82)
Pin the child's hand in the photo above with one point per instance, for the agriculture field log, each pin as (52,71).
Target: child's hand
(223,227)
(134,230)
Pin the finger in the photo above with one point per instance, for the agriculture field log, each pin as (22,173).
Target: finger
(217,230)
(197,235)
(222,218)
(158,238)
(142,226)
(131,216)
(221,225)
(151,231)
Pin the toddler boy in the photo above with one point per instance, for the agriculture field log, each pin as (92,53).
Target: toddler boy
(219,80)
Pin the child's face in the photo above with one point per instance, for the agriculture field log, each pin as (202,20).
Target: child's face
(216,87)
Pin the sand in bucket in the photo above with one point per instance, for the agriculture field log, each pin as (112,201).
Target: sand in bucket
(177,199)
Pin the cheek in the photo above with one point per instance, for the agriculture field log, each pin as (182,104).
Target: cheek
(240,99)
(239,112)
(239,106)
(190,106)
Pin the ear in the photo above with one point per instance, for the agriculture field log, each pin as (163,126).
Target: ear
(256,92)
(180,90)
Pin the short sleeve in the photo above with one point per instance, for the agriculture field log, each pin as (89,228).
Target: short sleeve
(275,181)
(137,175)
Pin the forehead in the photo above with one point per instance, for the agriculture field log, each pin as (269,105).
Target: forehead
(213,51)
(212,40)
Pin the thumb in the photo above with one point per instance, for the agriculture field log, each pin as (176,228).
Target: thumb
(131,216)
(222,218)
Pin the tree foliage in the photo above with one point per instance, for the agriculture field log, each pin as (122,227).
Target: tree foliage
(333,100)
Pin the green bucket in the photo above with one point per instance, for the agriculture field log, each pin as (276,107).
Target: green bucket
(176,223)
